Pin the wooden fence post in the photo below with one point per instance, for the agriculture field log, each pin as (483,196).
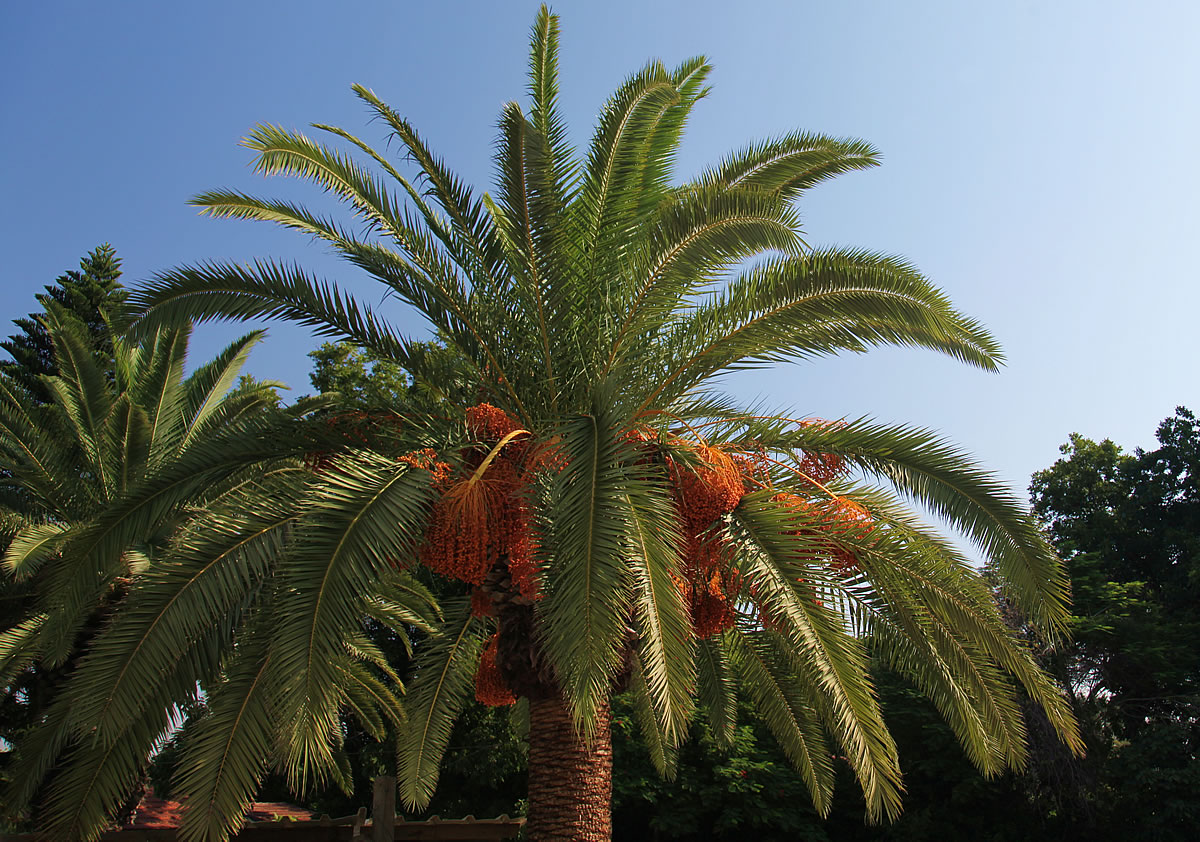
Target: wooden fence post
(383,809)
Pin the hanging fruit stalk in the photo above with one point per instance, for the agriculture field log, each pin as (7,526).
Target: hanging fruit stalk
(481,530)
(490,688)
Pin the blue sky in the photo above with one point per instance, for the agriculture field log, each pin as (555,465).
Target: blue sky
(1039,164)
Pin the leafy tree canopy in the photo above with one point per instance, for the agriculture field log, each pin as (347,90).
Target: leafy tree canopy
(1128,526)
(89,294)
(363,379)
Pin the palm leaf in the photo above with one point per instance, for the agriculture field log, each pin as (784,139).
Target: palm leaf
(717,689)
(159,390)
(925,467)
(666,644)
(267,290)
(206,582)
(206,389)
(31,547)
(787,712)
(225,753)
(588,590)
(791,164)
(366,514)
(821,649)
(442,679)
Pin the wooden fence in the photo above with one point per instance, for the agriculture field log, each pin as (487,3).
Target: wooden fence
(325,829)
(357,828)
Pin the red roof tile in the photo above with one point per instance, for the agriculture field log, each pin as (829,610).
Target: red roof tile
(158,812)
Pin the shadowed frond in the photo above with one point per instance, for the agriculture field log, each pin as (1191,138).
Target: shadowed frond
(437,691)
(208,580)
(363,517)
(215,291)
(31,547)
(226,752)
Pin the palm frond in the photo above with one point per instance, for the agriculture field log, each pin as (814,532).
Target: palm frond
(693,238)
(476,244)
(666,643)
(606,205)
(214,291)
(717,689)
(31,547)
(159,390)
(821,649)
(80,390)
(207,581)
(791,164)
(208,385)
(93,555)
(442,680)
(364,516)
(530,245)
(924,467)
(585,611)
(127,442)
(810,305)
(787,712)
(19,646)
(662,746)
(225,753)
(557,167)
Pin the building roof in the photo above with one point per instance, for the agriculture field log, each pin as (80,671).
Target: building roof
(158,812)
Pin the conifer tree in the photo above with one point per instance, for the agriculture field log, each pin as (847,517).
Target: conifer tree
(89,294)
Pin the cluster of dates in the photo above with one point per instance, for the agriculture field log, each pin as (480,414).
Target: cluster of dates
(481,530)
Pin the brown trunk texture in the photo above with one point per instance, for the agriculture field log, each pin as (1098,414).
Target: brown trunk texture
(570,783)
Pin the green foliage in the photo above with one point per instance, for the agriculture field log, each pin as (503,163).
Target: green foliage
(363,380)
(111,424)
(366,381)
(89,294)
(1149,783)
(747,788)
(598,300)
(739,789)
(483,769)
(1128,526)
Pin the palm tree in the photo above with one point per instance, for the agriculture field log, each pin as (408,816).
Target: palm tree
(115,421)
(622,525)
(103,431)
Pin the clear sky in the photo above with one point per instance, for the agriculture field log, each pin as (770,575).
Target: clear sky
(1040,164)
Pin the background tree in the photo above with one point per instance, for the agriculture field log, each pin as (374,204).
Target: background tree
(86,296)
(114,417)
(1128,526)
(367,381)
(363,380)
(89,294)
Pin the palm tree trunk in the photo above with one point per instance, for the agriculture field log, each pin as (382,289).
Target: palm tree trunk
(570,783)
